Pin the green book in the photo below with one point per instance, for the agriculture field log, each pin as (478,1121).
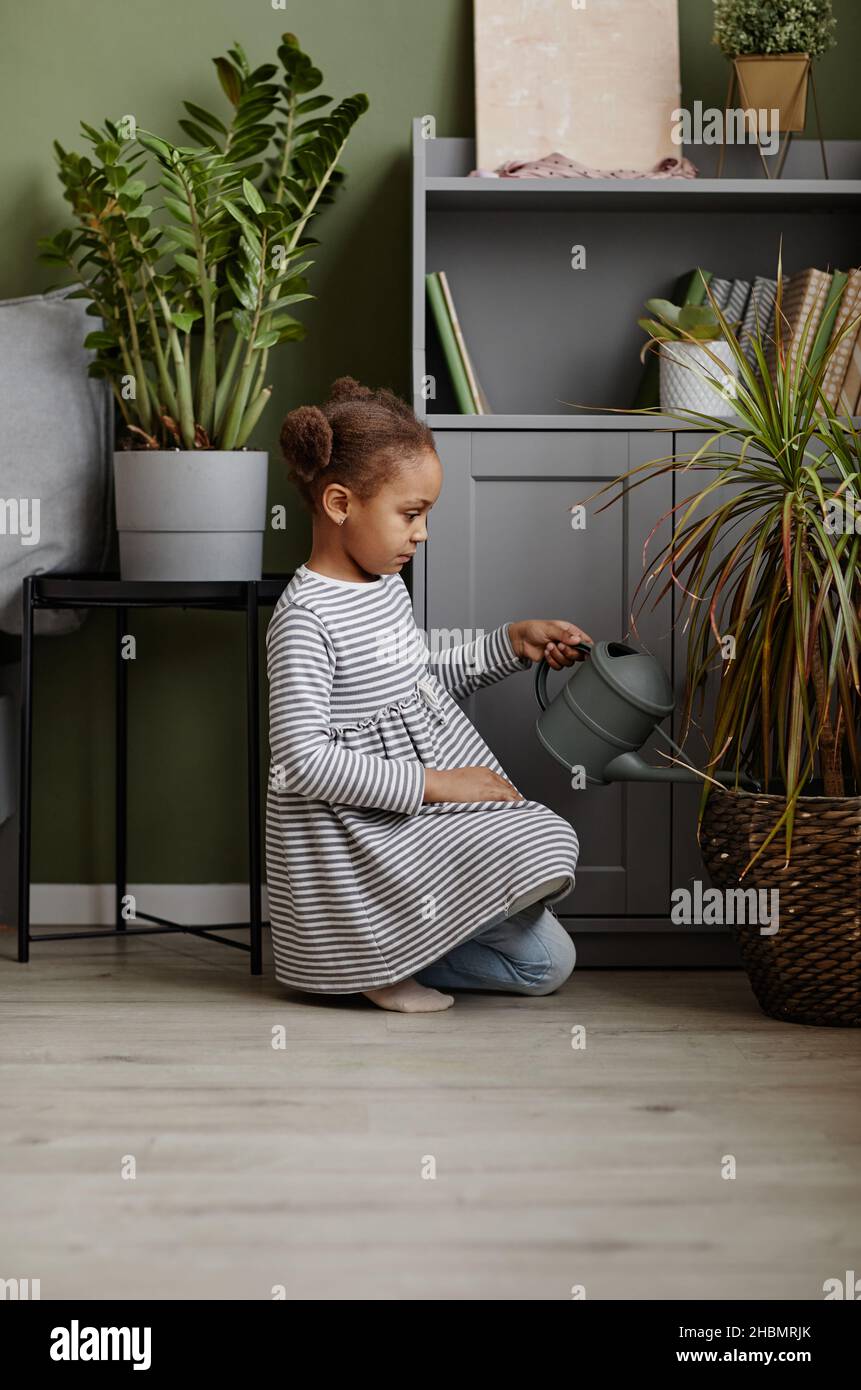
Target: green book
(689,289)
(450,349)
(829,314)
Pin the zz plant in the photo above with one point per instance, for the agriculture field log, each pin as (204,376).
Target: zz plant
(193,294)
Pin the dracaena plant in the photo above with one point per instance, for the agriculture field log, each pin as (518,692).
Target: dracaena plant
(195,292)
(756,554)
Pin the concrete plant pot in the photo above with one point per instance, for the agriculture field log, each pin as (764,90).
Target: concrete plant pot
(190,514)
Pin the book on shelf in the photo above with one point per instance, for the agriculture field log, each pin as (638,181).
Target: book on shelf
(829,316)
(736,303)
(720,291)
(804,297)
(758,316)
(850,391)
(470,398)
(479,398)
(848,322)
(690,288)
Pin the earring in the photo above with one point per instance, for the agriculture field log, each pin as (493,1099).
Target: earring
(341,522)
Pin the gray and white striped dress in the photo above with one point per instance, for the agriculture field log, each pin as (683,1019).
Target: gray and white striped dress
(366,883)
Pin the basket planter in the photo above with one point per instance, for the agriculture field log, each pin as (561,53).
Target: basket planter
(683,366)
(191,515)
(809,971)
(775,81)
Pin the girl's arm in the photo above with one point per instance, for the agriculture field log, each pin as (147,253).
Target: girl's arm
(306,759)
(487,659)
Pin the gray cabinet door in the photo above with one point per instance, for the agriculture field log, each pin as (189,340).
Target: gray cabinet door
(501,547)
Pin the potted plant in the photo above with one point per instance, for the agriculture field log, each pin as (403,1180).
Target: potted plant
(769,581)
(772,44)
(697,364)
(193,295)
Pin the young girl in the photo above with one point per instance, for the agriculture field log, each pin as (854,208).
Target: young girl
(401,862)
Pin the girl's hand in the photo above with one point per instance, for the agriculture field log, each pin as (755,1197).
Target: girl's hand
(546,637)
(468,784)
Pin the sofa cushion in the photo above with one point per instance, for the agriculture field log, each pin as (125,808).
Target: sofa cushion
(56,495)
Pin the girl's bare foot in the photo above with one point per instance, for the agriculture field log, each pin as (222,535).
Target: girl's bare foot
(409,997)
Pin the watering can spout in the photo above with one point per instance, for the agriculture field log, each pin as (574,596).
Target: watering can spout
(630,767)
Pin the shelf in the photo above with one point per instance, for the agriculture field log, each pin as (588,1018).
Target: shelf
(641,195)
(622,421)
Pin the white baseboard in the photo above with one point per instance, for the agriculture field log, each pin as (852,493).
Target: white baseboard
(92,904)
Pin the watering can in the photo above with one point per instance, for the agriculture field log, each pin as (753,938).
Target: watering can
(608,708)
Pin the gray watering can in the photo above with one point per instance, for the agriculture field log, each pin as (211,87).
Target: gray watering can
(609,707)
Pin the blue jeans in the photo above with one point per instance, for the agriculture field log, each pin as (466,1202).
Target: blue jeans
(529,953)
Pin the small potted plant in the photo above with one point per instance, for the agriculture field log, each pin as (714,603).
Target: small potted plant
(764,558)
(193,295)
(772,44)
(698,365)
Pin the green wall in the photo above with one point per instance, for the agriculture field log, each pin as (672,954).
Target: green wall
(89,58)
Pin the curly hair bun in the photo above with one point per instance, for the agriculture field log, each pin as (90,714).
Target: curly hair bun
(306,441)
(346,388)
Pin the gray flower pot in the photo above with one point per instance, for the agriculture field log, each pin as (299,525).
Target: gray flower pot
(184,514)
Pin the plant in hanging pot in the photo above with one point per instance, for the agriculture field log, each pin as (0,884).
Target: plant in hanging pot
(763,558)
(193,295)
(697,363)
(771,44)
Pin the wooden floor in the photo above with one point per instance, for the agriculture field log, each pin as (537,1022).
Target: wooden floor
(303,1166)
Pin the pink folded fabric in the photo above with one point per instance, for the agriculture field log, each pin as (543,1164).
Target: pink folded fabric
(558,166)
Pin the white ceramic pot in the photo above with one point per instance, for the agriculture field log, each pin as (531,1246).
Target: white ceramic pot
(691,379)
(190,514)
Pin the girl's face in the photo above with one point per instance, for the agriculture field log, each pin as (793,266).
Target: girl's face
(383,533)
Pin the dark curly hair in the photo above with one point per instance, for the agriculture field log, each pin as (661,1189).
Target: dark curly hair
(358,438)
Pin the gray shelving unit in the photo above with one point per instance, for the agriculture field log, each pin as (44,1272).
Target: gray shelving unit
(557,352)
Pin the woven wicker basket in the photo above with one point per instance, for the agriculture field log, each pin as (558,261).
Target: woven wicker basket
(809,971)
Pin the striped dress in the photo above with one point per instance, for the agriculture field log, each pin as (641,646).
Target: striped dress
(366,883)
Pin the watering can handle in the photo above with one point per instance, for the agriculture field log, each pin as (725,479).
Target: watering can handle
(541,674)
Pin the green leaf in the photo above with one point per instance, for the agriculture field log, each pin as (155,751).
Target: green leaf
(160,148)
(100,339)
(266,340)
(693,316)
(182,236)
(664,310)
(179,209)
(229,79)
(656,330)
(197,133)
(205,117)
(185,318)
(187,263)
(252,197)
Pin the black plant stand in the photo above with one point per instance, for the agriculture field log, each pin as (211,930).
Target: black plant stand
(109,591)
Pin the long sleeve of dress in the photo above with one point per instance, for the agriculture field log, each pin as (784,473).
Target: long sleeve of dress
(306,757)
(487,659)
